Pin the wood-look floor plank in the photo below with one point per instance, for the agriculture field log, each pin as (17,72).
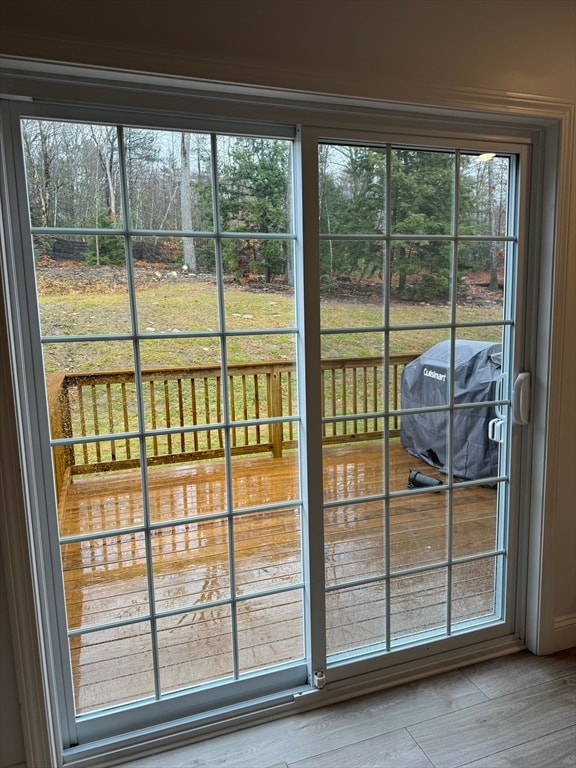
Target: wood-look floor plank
(392,750)
(499,677)
(556,750)
(284,743)
(306,736)
(499,724)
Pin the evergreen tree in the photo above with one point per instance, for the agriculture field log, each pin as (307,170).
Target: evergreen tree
(254,184)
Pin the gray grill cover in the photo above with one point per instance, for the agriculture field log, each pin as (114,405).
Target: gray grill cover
(477,366)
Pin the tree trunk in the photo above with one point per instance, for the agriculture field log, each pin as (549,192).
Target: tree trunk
(186,203)
(494,271)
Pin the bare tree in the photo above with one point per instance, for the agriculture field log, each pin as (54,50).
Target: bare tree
(186,202)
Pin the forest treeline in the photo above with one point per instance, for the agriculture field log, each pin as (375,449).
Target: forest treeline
(421,219)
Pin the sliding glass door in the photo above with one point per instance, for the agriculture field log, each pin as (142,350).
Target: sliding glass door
(164,277)
(272,374)
(418,251)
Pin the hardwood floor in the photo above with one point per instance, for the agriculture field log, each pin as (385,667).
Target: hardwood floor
(517,711)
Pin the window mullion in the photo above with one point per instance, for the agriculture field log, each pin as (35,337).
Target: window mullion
(309,354)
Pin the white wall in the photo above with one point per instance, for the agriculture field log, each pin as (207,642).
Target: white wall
(417,51)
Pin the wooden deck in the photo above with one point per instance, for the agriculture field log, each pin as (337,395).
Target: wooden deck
(193,541)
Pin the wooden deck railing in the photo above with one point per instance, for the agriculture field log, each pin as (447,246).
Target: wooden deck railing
(183,413)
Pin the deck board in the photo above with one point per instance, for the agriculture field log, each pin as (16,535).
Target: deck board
(105,577)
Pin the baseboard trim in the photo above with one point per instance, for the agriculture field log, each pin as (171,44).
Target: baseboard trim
(564,633)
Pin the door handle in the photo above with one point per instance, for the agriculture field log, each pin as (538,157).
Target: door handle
(521,399)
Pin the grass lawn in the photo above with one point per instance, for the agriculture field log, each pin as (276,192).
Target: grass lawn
(192,306)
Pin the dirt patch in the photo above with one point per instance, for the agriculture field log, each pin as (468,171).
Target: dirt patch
(54,279)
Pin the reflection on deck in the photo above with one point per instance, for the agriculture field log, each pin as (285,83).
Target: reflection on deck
(192,544)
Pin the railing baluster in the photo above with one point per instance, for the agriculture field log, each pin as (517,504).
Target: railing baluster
(168,418)
(245,407)
(232,393)
(194,412)
(219,410)
(125,417)
(344,400)
(257,408)
(153,417)
(275,409)
(355,396)
(395,394)
(290,403)
(95,420)
(375,396)
(207,412)
(110,421)
(82,421)
(365,395)
(181,416)
(334,401)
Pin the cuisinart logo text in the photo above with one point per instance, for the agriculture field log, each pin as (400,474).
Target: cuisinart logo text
(432,374)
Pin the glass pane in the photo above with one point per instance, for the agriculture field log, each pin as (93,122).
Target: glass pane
(415,469)
(261,390)
(355,618)
(475,516)
(191,489)
(351,283)
(170,297)
(174,351)
(169,180)
(420,282)
(76,295)
(425,434)
(354,542)
(112,667)
(264,479)
(260,284)
(422,192)
(485,334)
(474,590)
(352,388)
(352,189)
(92,402)
(427,381)
(353,470)
(89,358)
(482,272)
(418,604)
(73,174)
(177,395)
(270,630)
(260,350)
(414,342)
(181,491)
(254,180)
(483,194)
(195,648)
(267,547)
(368,344)
(94,505)
(190,564)
(418,530)
(105,579)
